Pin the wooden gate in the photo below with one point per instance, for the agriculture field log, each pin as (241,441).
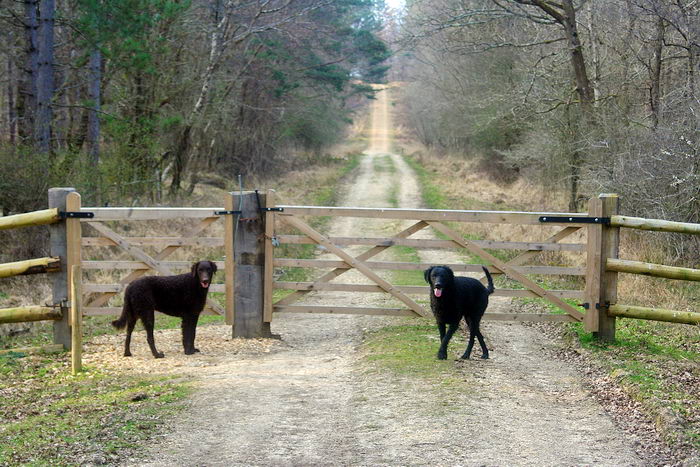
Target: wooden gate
(140,261)
(441,222)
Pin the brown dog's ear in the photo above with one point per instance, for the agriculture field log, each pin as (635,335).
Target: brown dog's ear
(426,274)
(194,269)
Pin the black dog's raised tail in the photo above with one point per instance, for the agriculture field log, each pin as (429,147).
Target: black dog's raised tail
(490,287)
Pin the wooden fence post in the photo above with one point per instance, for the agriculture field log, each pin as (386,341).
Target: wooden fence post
(601,285)
(229,267)
(59,248)
(76,319)
(249,266)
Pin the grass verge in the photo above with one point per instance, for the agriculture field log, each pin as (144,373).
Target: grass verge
(48,417)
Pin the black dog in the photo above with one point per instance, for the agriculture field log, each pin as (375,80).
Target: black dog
(183,295)
(452,298)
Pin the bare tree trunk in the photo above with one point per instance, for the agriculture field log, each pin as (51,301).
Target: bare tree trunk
(655,88)
(93,129)
(11,104)
(45,81)
(94,94)
(26,106)
(583,84)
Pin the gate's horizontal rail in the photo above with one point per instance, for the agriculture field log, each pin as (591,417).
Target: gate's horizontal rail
(530,317)
(212,242)
(405,266)
(412,289)
(422,243)
(117,310)
(495,217)
(117,288)
(145,214)
(139,264)
(344,310)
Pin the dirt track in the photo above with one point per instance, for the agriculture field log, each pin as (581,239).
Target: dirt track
(308,399)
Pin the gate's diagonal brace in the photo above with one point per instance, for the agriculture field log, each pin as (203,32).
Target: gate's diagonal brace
(353,262)
(291,298)
(507,269)
(523,258)
(152,262)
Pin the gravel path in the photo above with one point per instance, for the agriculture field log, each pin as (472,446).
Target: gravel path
(310,399)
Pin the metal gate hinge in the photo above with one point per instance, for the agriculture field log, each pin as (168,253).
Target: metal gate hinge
(576,219)
(224,213)
(76,214)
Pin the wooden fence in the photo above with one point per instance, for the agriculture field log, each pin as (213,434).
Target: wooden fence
(251,235)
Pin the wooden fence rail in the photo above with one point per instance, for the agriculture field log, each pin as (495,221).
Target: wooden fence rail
(30,266)
(25,314)
(654,225)
(15,221)
(655,270)
(654,314)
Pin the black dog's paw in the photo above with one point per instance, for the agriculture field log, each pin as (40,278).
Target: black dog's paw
(442,355)
(196,350)
(127,354)
(464,357)
(159,355)
(191,352)
(485,356)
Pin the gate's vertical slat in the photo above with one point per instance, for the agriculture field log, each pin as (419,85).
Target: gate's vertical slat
(269,252)
(601,285)
(229,265)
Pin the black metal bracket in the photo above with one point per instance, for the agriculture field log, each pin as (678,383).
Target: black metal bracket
(598,306)
(76,215)
(576,219)
(260,208)
(225,213)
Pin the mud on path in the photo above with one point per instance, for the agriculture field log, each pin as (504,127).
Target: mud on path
(310,398)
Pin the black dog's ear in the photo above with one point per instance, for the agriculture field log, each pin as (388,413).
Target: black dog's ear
(194,269)
(426,274)
(213,267)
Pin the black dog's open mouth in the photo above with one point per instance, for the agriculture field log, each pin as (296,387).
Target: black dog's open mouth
(204,284)
(438,292)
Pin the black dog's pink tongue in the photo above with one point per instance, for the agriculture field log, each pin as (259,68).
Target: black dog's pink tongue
(204,284)
(438,292)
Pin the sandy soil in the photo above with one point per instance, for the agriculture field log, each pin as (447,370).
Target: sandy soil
(310,399)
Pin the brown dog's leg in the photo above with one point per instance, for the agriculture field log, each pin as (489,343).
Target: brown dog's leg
(148,322)
(189,332)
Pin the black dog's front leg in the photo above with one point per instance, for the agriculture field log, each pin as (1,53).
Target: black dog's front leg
(189,331)
(445,339)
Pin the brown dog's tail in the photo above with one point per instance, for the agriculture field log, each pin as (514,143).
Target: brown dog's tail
(490,287)
(121,322)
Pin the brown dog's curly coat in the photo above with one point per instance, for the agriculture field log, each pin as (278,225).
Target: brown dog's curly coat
(183,295)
